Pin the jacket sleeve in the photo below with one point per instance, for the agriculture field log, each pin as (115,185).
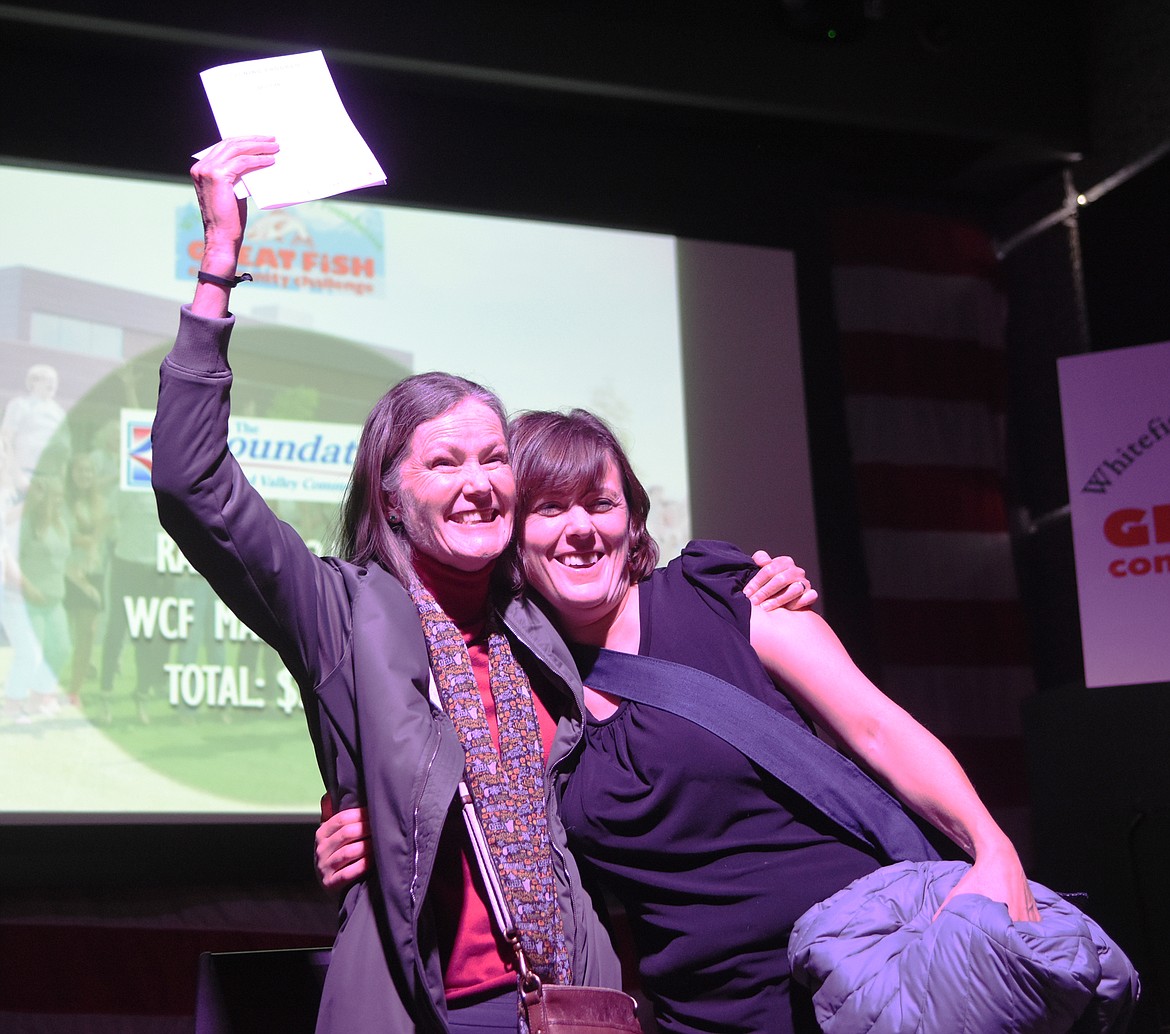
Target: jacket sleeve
(257,564)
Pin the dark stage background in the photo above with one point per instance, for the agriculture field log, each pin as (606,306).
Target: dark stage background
(971,126)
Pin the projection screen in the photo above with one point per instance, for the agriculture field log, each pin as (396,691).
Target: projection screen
(129,690)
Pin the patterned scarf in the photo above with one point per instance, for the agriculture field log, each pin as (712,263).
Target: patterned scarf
(508,786)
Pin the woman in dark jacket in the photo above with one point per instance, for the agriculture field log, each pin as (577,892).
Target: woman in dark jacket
(429,513)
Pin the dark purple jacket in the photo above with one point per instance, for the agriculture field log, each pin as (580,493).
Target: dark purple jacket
(351,638)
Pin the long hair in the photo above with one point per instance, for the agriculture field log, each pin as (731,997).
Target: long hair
(365,533)
(561,453)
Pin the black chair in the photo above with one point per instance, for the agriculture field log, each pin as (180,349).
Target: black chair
(260,992)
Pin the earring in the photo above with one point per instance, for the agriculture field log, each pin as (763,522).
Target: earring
(394,521)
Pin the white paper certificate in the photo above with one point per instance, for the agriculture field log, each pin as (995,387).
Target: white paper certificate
(294,99)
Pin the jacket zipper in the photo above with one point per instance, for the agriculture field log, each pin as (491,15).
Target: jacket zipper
(418,966)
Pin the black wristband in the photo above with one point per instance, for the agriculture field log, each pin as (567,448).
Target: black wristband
(222,281)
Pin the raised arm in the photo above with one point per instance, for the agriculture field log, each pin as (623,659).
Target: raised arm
(802,654)
(224,215)
(256,564)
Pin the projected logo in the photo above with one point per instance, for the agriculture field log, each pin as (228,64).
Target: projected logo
(295,460)
(137,455)
(325,248)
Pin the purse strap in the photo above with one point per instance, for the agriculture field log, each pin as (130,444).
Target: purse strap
(812,768)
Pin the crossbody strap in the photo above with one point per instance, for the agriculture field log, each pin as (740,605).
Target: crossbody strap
(826,779)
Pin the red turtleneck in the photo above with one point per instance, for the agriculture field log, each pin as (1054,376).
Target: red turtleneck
(475,959)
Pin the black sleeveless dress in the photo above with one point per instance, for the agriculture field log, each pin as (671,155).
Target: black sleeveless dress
(712,858)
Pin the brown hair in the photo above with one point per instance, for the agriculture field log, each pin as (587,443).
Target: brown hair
(365,532)
(559,453)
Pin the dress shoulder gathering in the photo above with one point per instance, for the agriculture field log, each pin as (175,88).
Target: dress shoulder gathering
(712,858)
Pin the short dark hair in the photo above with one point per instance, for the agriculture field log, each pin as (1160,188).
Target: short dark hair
(559,453)
(365,532)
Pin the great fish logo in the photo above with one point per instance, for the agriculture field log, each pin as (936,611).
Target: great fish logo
(325,248)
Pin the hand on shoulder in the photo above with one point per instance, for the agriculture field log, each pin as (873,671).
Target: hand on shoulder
(780,582)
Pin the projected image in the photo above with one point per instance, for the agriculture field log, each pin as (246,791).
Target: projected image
(111,624)
(128,688)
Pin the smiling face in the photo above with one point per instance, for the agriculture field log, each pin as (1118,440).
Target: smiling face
(455,491)
(575,550)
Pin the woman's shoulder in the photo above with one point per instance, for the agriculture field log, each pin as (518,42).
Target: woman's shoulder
(524,616)
(374,582)
(710,571)
(710,564)
(701,555)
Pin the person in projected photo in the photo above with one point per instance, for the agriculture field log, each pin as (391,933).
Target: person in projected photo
(712,859)
(18,707)
(89,530)
(32,420)
(418,584)
(40,635)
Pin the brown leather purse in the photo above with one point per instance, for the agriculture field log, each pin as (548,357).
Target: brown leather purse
(560,1009)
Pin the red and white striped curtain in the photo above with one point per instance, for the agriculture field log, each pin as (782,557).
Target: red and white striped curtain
(921,321)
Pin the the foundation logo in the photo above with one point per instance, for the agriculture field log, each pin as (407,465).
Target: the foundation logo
(296,460)
(137,455)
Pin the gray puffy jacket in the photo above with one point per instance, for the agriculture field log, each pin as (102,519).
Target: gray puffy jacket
(877,964)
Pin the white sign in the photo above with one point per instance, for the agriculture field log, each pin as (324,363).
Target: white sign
(294,99)
(1116,412)
(296,460)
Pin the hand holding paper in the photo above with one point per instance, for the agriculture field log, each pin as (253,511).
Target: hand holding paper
(294,99)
